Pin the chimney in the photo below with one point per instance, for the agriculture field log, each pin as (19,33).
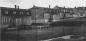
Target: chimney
(49,6)
(64,6)
(34,6)
(74,7)
(16,7)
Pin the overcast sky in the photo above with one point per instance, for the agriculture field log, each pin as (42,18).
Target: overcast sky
(42,3)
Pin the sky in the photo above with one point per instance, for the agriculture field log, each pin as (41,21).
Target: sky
(43,3)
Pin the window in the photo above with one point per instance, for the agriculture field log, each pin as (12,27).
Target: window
(14,12)
(21,12)
(9,20)
(68,15)
(27,13)
(81,10)
(6,12)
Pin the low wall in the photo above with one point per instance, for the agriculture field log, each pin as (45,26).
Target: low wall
(81,29)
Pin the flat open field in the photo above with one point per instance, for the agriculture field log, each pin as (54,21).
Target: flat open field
(35,34)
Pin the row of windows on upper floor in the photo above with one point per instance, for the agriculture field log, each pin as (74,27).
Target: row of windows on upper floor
(15,12)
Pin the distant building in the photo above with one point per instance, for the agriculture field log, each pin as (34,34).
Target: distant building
(42,14)
(71,12)
(39,14)
(13,15)
(80,12)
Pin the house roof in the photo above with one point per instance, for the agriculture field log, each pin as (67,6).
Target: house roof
(9,8)
(37,7)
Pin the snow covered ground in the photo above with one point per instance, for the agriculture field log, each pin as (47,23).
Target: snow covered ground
(68,37)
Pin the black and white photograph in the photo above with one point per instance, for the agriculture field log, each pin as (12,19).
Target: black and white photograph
(42,20)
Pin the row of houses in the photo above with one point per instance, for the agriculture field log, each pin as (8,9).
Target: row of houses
(16,16)
(57,13)
(73,12)
(38,14)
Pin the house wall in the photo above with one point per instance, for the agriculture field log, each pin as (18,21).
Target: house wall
(5,20)
(56,17)
(27,21)
(14,16)
(37,13)
(81,29)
